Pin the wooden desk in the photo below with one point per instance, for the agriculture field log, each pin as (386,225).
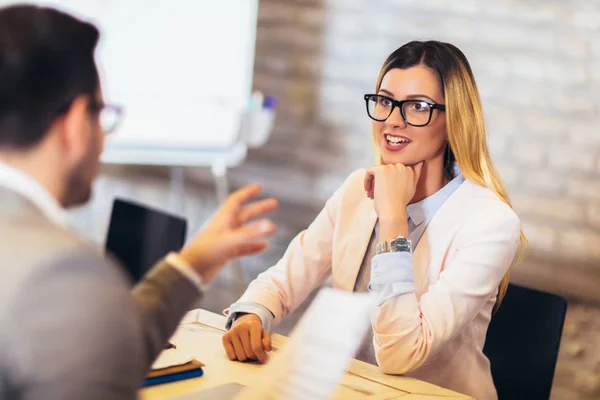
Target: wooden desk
(200,334)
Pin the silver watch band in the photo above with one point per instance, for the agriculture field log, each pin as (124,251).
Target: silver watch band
(399,244)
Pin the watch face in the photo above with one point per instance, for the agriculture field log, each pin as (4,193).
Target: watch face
(401,244)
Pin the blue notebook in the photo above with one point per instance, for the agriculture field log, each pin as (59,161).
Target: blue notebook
(193,369)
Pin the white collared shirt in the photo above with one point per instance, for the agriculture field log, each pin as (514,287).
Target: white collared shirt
(18,181)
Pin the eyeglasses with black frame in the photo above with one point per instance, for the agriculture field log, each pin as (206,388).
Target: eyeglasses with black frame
(414,112)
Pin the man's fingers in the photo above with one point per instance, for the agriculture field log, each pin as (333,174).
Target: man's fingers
(228,347)
(238,347)
(252,232)
(245,337)
(244,194)
(256,342)
(254,210)
(266,340)
(249,249)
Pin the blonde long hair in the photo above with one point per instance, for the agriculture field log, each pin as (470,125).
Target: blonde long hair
(467,143)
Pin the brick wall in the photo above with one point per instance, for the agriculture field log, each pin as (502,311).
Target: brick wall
(537,64)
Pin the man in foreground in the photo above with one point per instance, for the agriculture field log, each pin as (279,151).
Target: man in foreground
(71,326)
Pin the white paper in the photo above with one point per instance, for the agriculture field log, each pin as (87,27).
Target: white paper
(171,358)
(312,363)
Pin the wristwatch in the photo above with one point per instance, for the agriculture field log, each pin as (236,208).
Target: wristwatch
(400,244)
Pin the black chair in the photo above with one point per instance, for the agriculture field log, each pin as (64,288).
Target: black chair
(522,343)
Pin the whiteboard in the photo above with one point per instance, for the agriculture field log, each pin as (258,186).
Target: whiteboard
(181,68)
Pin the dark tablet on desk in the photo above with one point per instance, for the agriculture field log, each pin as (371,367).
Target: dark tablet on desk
(139,236)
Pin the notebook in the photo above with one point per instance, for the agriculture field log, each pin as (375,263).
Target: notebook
(191,369)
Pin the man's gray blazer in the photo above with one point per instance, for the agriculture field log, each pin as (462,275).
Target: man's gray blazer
(70,325)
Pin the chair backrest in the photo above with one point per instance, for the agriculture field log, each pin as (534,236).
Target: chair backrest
(522,343)
(139,236)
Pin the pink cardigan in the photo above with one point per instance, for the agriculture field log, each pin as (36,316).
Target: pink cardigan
(437,333)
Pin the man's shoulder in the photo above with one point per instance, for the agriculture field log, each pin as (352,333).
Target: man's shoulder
(36,240)
(30,248)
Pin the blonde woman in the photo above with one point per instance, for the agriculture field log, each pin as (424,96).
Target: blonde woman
(430,231)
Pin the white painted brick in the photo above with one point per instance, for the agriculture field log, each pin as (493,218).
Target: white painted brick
(498,144)
(594,72)
(354,5)
(572,45)
(541,181)
(586,19)
(357,73)
(528,67)
(571,102)
(492,65)
(340,93)
(529,152)
(508,36)
(454,30)
(490,91)
(468,7)
(501,121)
(350,117)
(572,159)
(593,214)
(521,95)
(587,134)
(509,173)
(551,208)
(461,7)
(538,68)
(522,12)
(566,73)
(581,243)
(584,189)
(538,124)
(356,25)
(594,46)
(541,237)
(498,9)
(347,50)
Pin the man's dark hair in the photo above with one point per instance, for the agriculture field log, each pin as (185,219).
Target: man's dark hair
(46,61)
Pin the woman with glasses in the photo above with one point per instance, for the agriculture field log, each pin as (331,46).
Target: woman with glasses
(429,231)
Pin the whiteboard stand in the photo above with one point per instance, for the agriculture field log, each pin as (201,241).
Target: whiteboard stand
(177,196)
(219,171)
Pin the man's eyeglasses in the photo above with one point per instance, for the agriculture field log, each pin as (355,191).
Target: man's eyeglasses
(414,112)
(109,115)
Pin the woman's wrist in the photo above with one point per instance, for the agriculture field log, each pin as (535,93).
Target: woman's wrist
(392,227)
